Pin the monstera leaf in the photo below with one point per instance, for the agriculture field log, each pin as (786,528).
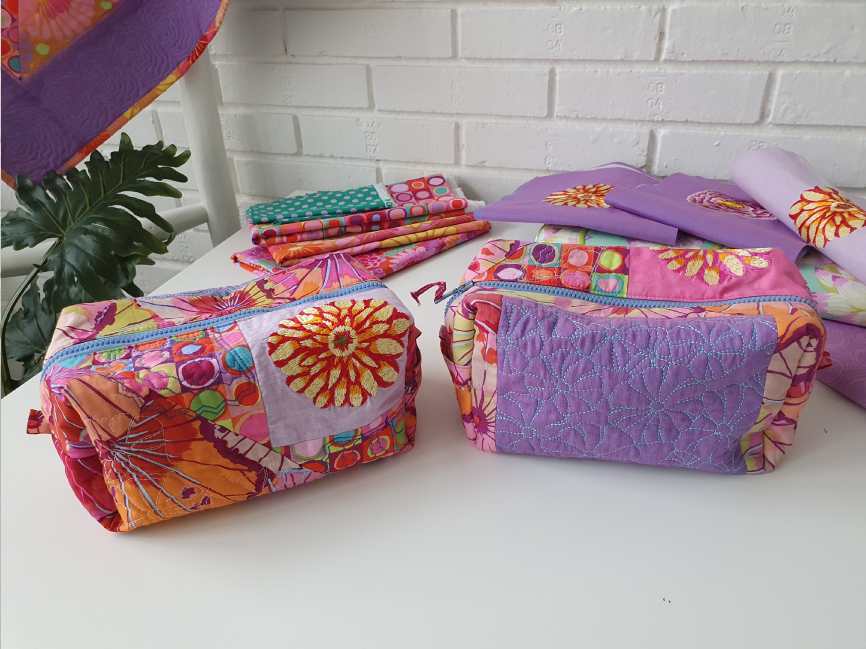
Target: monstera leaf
(99,239)
(30,329)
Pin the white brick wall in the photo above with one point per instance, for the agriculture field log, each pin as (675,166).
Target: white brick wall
(440,89)
(282,177)
(694,96)
(410,33)
(281,84)
(552,148)
(841,160)
(250,33)
(573,33)
(325,95)
(731,31)
(821,97)
(380,138)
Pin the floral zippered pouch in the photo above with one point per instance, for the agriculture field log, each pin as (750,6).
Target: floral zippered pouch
(166,405)
(635,355)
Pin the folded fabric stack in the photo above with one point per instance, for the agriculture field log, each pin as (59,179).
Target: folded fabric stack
(385,227)
(778,201)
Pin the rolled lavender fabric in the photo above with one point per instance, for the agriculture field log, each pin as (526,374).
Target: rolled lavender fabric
(786,185)
(711,210)
(847,346)
(577,199)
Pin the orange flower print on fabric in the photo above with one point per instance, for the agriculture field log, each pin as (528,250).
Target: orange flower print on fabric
(714,266)
(581,196)
(823,214)
(340,353)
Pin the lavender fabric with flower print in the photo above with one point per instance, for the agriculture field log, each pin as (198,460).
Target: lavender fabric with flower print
(579,199)
(789,187)
(711,210)
(678,393)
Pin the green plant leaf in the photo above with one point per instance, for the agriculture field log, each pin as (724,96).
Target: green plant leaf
(30,329)
(100,235)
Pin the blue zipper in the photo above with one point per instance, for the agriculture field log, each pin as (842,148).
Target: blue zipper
(80,349)
(611,301)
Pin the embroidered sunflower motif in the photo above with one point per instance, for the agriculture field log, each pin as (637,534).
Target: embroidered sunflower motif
(340,353)
(714,266)
(823,214)
(581,196)
(713,200)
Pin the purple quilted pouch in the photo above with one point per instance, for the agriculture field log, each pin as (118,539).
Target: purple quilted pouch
(699,359)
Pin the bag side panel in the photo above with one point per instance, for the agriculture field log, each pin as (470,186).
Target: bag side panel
(802,339)
(675,392)
(468,343)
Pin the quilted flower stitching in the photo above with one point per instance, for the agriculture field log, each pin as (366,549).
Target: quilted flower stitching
(713,200)
(581,196)
(823,214)
(340,353)
(714,266)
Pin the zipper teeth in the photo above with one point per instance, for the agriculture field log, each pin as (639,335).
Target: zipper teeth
(111,342)
(618,301)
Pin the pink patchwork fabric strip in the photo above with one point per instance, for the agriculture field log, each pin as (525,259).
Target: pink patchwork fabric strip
(339,226)
(413,198)
(287,252)
(379,263)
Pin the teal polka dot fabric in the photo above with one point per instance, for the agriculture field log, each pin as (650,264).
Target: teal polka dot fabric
(319,204)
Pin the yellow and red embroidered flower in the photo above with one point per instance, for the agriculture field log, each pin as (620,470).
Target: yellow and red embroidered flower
(823,214)
(714,266)
(581,196)
(340,353)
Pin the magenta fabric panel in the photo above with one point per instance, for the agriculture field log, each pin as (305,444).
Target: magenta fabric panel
(773,273)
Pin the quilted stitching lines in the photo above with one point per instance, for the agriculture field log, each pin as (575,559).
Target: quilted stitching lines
(668,392)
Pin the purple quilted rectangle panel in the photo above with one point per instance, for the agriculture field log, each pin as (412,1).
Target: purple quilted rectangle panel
(669,392)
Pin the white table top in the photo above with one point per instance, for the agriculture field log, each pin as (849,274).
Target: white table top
(447,546)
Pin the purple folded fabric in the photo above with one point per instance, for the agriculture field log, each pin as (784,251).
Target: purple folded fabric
(577,199)
(846,344)
(711,210)
(799,197)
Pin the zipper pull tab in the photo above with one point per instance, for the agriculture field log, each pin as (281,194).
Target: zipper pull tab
(440,291)
(465,286)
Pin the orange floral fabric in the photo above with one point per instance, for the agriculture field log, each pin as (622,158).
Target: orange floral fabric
(823,214)
(581,196)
